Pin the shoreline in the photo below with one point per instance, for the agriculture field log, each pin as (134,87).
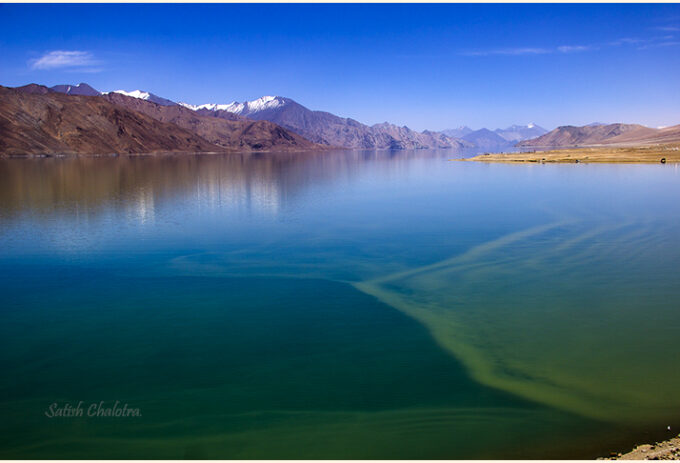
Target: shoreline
(657,154)
(664,450)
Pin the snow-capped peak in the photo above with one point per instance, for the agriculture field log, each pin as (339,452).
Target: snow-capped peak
(265,102)
(243,109)
(208,106)
(250,107)
(531,125)
(146,96)
(134,94)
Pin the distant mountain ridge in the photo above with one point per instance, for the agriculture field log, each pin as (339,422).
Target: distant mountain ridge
(488,140)
(458,132)
(499,138)
(516,133)
(331,130)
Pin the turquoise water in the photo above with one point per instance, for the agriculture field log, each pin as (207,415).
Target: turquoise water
(337,305)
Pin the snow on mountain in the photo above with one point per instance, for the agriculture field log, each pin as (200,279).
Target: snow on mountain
(146,96)
(246,108)
(208,106)
(134,94)
(328,129)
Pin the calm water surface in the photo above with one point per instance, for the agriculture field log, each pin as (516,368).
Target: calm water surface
(338,305)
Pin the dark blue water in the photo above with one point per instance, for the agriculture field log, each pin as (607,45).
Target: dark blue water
(337,305)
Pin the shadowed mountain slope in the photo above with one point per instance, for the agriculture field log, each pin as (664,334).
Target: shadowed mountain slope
(80,89)
(238,134)
(35,121)
(486,139)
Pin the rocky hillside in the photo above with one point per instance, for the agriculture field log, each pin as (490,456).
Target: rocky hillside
(570,136)
(36,121)
(231,134)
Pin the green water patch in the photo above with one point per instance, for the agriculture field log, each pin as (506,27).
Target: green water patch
(239,368)
(581,315)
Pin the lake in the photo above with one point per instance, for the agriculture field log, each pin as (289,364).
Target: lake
(340,304)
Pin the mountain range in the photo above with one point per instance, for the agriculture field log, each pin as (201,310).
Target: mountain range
(328,129)
(78,119)
(36,120)
(318,127)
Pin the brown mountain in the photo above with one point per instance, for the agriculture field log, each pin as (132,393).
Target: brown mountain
(665,135)
(610,134)
(231,133)
(34,121)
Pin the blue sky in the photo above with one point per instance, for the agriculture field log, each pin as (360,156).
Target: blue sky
(424,66)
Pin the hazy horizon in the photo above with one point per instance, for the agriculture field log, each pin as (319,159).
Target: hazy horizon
(430,67)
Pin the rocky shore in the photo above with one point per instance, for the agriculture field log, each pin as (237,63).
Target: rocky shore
(666,450)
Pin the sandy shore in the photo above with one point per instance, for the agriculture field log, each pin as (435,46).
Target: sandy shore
(666,450)
(638,154)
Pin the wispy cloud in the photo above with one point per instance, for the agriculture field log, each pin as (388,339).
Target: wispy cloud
(65,59)
(639,43)
(667,28)
(529,50)
(574,48)
(649,42)
(507,51)
(671,43)
(625,41)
